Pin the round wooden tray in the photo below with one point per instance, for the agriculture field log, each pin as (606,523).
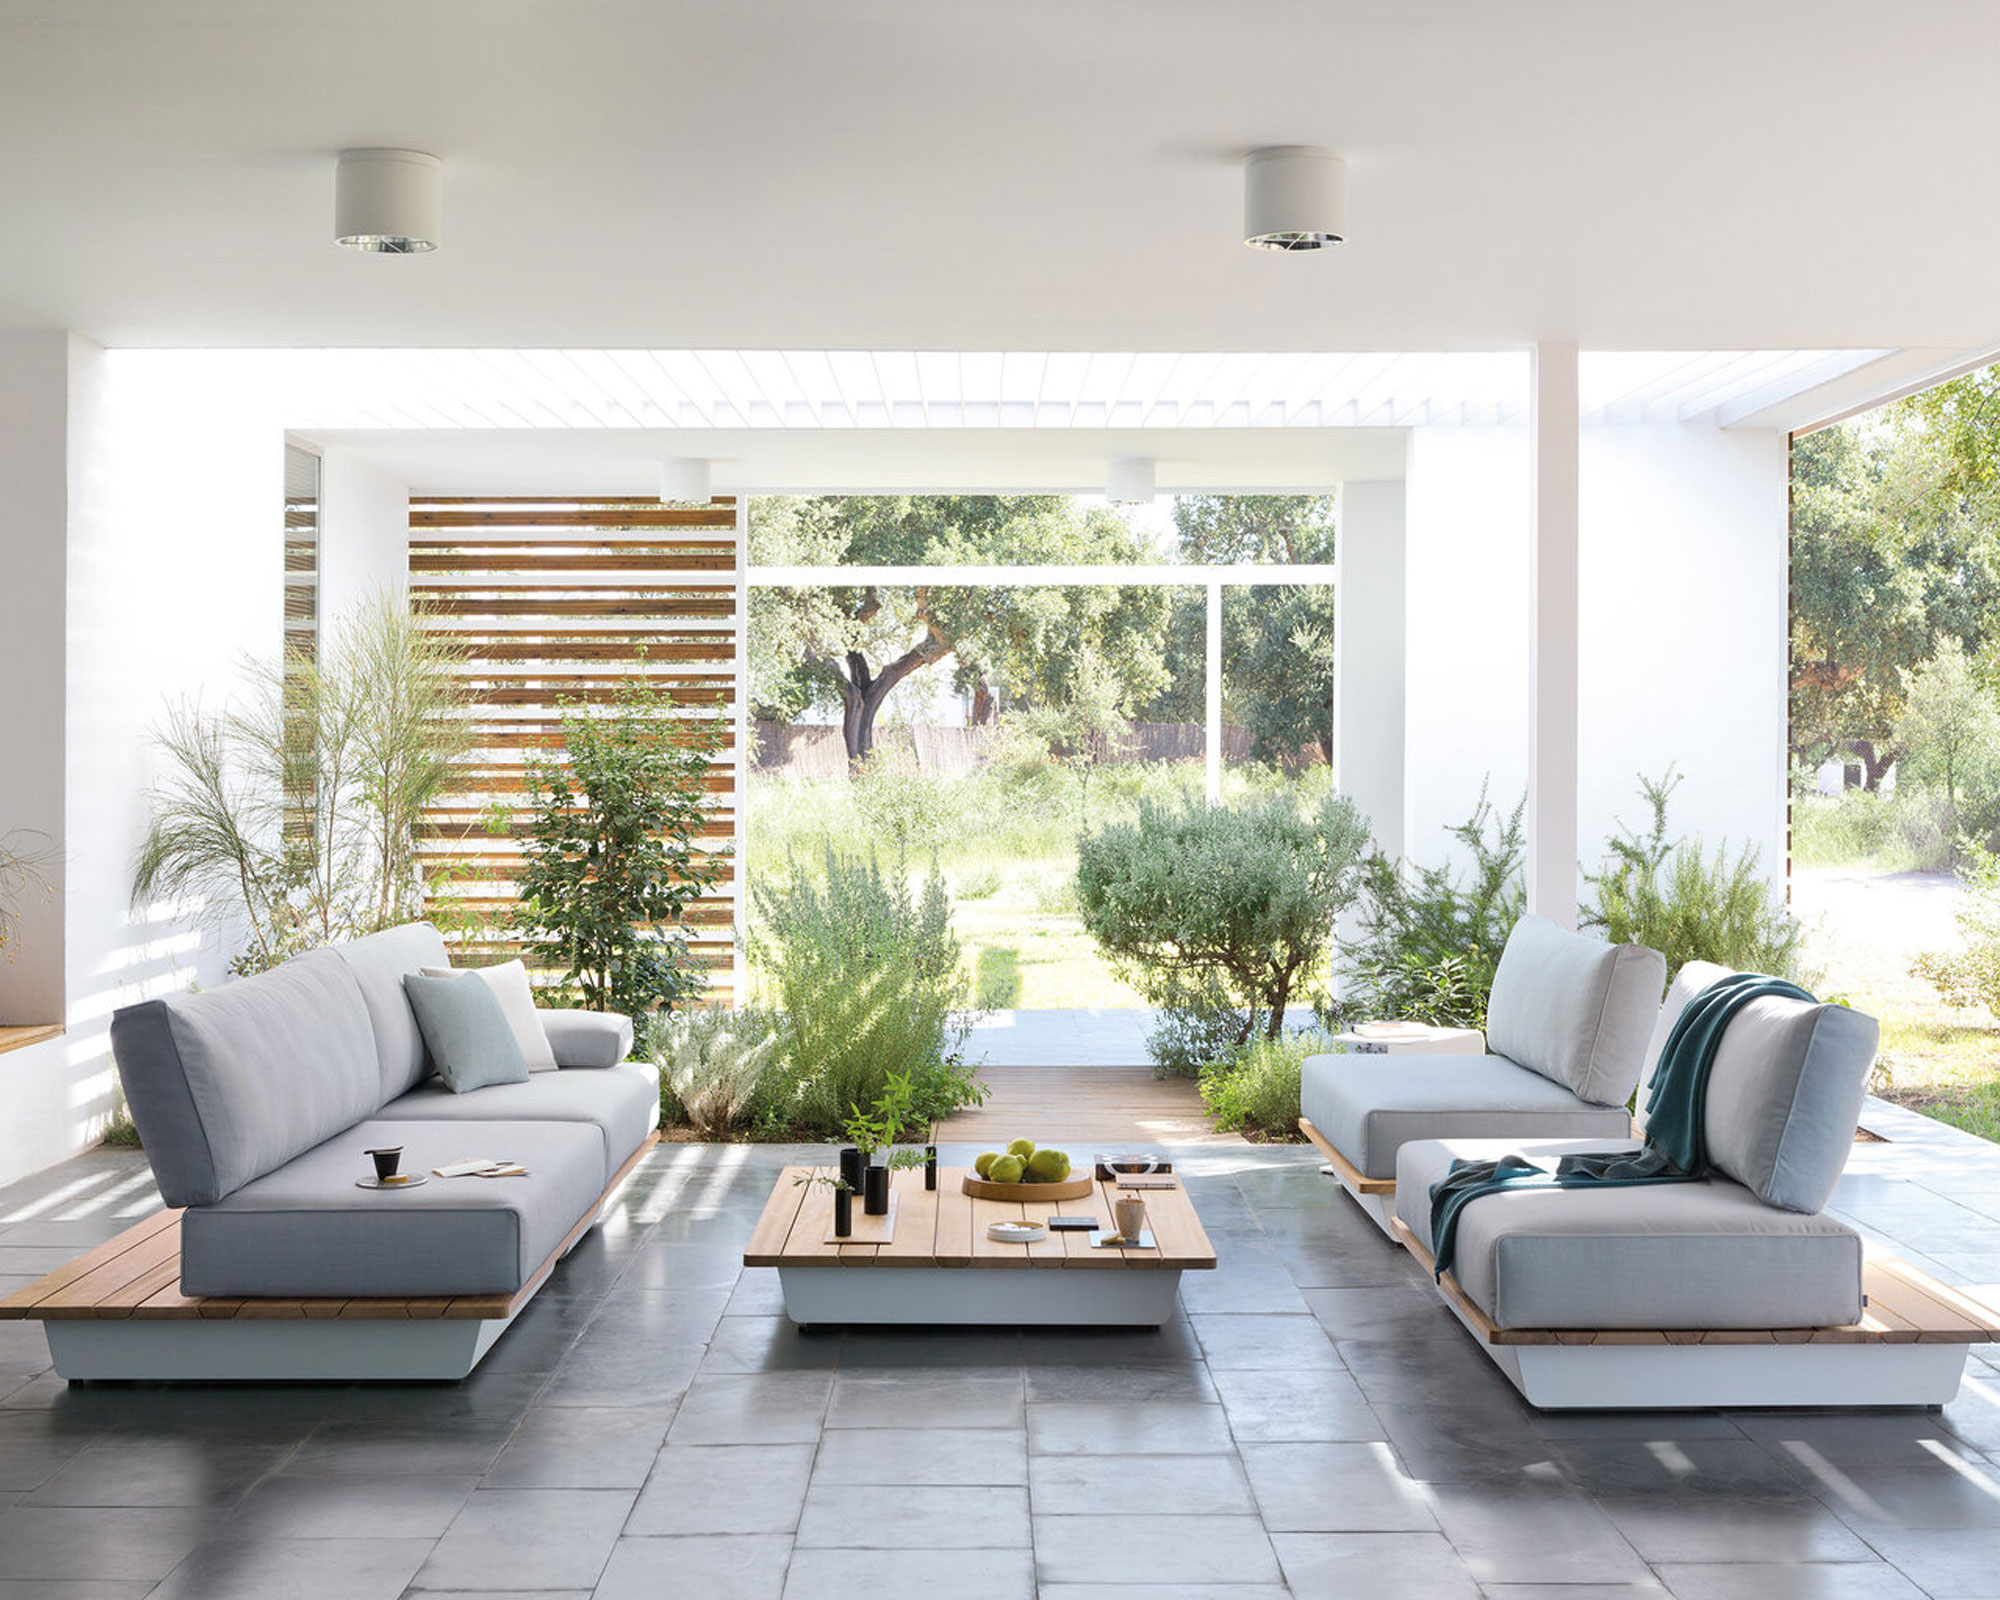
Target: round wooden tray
(1074,1187)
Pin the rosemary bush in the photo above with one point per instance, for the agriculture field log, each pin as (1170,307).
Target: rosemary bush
(711,1062)
(1254,1089)
(867,977)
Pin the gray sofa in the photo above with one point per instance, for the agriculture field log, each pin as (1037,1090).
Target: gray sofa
(1569,1023)
(258,1100)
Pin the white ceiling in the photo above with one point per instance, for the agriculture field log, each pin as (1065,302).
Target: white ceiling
(1034,175)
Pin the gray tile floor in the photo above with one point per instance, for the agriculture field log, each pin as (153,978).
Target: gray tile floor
(1312,1424)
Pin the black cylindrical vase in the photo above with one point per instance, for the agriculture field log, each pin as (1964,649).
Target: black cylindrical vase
(843,1212)
(930,1166)
(851,1163)
(875,1191)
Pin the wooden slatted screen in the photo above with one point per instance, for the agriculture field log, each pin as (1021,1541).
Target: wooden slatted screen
(560,601)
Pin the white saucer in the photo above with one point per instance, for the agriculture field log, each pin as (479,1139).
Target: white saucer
(1016,1232)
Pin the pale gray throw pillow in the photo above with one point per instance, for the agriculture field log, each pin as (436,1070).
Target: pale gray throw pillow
(468,1033)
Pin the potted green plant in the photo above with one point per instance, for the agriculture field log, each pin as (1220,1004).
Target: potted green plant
(843,1199)
(874,1133)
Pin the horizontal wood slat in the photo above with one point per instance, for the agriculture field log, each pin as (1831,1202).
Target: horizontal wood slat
(565,602)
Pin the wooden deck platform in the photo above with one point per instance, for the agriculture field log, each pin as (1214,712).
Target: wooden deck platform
(1084,1109)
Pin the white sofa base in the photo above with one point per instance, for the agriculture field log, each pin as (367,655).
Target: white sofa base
(975,1297)
(242,1350)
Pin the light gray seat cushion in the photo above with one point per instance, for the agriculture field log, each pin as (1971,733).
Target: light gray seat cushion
(621,1102)
(1680,1255)
(1367,1105)
(379,963)
(1784,1095)
(1688,982)
(587,1038)
(306,1229)
(230,1083)
(1575,1009)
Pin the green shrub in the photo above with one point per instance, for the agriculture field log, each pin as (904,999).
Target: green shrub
(1428,945)
(1254,1090)
(981,883)
(711,1062)
(867,978)
(907,809)
(1971,978)
(1214,909)
(1672,897)
(1190,1032)
(1905,829)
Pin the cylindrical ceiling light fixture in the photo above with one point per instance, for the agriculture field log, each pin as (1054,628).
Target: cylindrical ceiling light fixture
(1294,198)
(390,202)
(684,482)
(1129,483)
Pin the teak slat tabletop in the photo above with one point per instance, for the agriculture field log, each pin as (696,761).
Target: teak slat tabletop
(947,1228)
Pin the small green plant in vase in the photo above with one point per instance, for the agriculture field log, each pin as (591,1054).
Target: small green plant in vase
(843,1198)
(875,1132)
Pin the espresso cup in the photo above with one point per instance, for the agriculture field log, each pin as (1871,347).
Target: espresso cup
(386,1160)
(1131,1215)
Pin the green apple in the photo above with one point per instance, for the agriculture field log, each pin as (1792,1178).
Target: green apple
(1022,1148)
(1048,1166)
(1007,1169)
(983,1165)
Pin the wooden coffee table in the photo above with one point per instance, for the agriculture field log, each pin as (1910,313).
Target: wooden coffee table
(941,1268)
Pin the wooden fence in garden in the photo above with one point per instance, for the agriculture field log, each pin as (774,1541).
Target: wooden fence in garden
(556,601)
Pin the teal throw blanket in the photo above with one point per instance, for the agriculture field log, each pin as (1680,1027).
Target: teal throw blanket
(1676,1149)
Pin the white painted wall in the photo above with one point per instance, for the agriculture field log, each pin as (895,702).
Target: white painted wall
(1369,646)
(364,532)
(1685,609)
(1466,629)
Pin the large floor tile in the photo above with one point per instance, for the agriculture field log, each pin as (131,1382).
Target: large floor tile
(725,1567)
(848,1516)
(1266,1406)
(1546,1535)
(308,1505)
(926,1399)
(1139,1485)
(1287,1343)
(1335,1488)
(753,1408)
(299,1569)
(581,1447)
(99,1542)
(193,1473)
(528,1539)
(718,1489)
(1794,1580)
(1102,1383)
(1158,1549)
(1167,1426)
(1711,1528)
(1382,1566)
(951,1456)
(843,1574)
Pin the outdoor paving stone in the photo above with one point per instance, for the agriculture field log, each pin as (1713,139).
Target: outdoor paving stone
(1883,1439)
(1690,1468)
(31,1454)
(845,1574)
(1382,1566)
(1724,1528)
(1645,1590)
(1233,1288)
(715,1489)
(1085,1429)
(975,1399)
(1171,1345)
(528,1538)
(84,1589)
(581,1447)
(934,1517)
(728,1567)
(1945,1563)
(766,1344)
(1092,1381)
(1267,1406)
(99,1541)
(1136,1485)
(1163,1591)
(299,1569)
(1548,1535)
(956,1456)
(753,1408)
(1293,1344)
(902,1349)
(683,1268)
(296,1504)
(1903,1497)
(757,1294)
(1335,1488)
(193,1473)
(614,1372)
(1800,1580)
(1160,1549)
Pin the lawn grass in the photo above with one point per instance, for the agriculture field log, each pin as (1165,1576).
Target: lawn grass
(1941,1062)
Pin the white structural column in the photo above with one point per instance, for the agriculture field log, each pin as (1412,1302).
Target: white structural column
(1212,731)
(1554,427)
(1369,648)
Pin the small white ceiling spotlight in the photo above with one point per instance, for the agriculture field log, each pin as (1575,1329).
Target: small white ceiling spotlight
(685,482)
(1129,482)
(388,202)
(1294,198)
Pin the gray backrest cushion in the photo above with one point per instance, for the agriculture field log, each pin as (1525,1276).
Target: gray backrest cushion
(379,963)
(469,1035)
(1784,1095)
(1575,1009)
(1688,982)
(587,1038)
(232,1083)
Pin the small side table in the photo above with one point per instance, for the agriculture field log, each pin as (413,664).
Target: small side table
(1412,1038)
